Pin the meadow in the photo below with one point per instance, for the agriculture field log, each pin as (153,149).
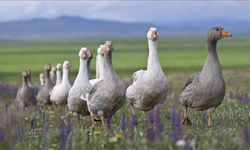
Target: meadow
(53,128)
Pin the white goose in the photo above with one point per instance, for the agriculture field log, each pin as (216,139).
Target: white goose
(81,85)
(60,92)
(108,93)
(149,86)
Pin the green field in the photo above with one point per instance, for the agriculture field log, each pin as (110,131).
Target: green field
(176,54)
(53,128)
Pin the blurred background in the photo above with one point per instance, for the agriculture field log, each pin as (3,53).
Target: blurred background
(33,33)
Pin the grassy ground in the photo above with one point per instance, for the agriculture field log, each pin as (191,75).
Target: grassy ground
(53,128)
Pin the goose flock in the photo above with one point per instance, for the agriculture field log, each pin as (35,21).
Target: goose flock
(103,96)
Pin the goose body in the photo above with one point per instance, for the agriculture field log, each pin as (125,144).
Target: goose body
(26,94)
(43,95)
(108,93)
(206,90)
(81,85)
(150,86)
(60,91)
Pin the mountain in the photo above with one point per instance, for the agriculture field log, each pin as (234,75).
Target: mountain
(69,28)
(76,28)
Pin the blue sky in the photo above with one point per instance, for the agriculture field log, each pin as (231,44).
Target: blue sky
(157,12)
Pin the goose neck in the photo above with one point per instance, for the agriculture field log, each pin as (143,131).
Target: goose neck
(58,77)
(105,67)
(47,77)
(83,69)
(153,60)
(65,76)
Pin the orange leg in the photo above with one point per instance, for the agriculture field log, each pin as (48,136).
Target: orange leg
(186,121)
(132,109)
(209,116)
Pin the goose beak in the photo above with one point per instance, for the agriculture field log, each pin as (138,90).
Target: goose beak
(154,34)
(225,34)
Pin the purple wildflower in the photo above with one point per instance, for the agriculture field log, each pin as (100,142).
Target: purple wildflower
(176,120)
(246,135)
(186,147)
(4,87)
(242,98)
(151,117)
(159,127)
(21,130)
(45,133)
(123,122)
(132,123)
(5,107)
(150,134)
(1,135)
(108,120)
(62,135)
(33,124)
(66,135)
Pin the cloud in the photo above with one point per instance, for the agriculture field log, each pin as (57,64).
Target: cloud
(132,11)
(31,7)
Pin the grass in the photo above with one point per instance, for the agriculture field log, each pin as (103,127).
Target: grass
(175,54)
(53,128)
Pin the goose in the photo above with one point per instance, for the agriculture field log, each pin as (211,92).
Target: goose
(108,93)
(28,71)
(81,85)
(43,96)
(36,88)
(205,90)
(53,75)
(42,78)
(58,73)
(26,95)
(60,92)
(149,87)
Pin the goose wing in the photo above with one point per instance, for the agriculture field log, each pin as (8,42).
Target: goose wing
(94,83)
(194,78)
(138,75)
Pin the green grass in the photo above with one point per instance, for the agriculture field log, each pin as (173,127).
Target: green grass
(179,57)
(186,54)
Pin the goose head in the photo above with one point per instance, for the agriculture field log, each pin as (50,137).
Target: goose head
(105,51)
(53,70)
(85,53)
(59,66)
(152,34)
(47,67)
(25,74)
(28,72)
(66,64)
(217,33)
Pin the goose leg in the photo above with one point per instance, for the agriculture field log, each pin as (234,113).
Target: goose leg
(92,120)
(101,114)
(186,121)
(209,116)
(79,119)
(132,109)
(103,122)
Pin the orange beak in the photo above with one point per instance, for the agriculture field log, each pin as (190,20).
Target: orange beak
(154,34)
(225,34)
